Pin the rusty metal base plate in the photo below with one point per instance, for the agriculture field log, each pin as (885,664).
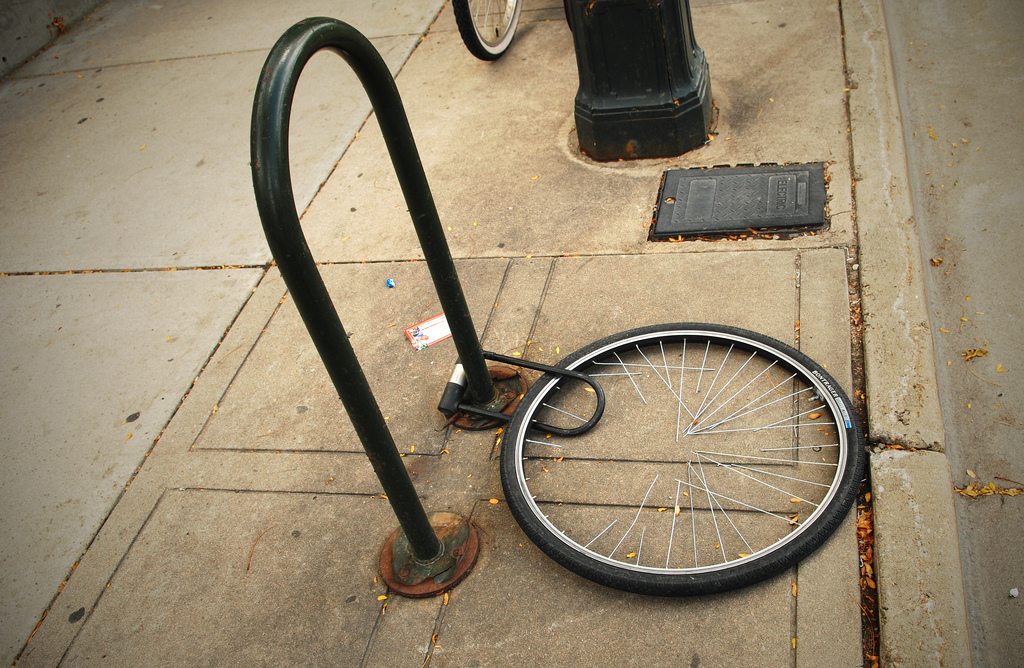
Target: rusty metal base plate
(408,577)
(737,200)
(509,386)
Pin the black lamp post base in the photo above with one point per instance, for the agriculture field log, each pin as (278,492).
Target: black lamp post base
(645,87)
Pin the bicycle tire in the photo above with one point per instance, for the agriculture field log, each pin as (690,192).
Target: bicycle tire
(558,490)
(486,31)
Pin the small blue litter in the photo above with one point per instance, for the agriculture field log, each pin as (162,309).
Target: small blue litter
(390,283)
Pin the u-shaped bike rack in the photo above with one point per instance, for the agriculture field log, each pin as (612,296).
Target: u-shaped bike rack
(423,556)
(427,555)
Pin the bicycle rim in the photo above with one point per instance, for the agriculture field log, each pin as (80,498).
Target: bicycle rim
(487,26)
(723,457)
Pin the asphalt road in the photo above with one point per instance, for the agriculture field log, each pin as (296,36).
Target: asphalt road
(959,66)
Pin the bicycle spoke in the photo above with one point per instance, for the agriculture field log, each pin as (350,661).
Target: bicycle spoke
(631,378)
(738,414)
(548,443)
(713,381)
(644,366)
(656,372)
(792,495)
(763,459)
(572,415)
(675,516)
(640,510)
(731,523)
(784,426)
(702,365)
(726,402)
(802,447)
(601,534)
(775,475)
(664,360)
(703,479)
(693,516)
(773,424)
(712,402)
(682,372)
(745,505)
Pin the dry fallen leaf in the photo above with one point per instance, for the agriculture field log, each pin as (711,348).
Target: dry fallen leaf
(973,491)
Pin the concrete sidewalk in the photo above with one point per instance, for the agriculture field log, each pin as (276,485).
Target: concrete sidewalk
(226,511)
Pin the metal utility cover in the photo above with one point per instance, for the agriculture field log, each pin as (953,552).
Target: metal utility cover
(702,202)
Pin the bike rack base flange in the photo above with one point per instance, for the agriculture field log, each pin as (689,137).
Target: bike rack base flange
(414,579)
(509,388)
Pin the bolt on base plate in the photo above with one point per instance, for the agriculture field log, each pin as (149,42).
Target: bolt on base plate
(408,577)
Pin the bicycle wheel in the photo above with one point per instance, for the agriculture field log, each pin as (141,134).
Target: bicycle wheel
(487,26)
(723,458)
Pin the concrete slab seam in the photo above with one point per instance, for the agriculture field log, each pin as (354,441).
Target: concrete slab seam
(237,370)
(797,266)
(109,579)
(794,610)
(497,299)
(362,126)
(124,490)
(213,362)
(540,305)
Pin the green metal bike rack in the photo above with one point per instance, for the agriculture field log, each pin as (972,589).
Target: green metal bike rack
(428,554)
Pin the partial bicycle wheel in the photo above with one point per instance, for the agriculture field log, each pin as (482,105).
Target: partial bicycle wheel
(487,26)
(723,457)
